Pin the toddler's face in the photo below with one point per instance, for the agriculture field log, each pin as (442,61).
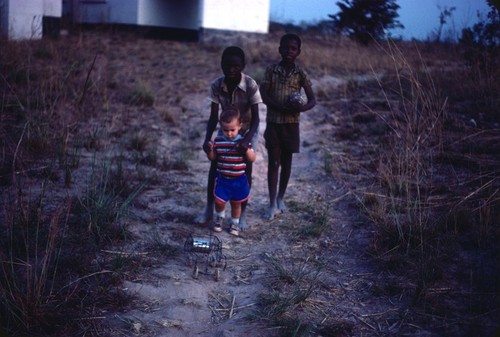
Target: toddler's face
(230,130)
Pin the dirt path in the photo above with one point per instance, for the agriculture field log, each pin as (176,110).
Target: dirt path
(169,301)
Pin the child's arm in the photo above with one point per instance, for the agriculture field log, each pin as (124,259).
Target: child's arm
(244,143)
(211,125)
(298,107)
(211,155)
(311,99)
(250,155)
(270,101)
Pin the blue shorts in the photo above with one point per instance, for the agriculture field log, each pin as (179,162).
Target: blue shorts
(235,189)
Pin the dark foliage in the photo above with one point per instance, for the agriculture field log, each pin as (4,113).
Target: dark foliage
(366,20)
(482,42)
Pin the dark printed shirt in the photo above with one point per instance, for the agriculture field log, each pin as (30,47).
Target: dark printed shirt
(282,84)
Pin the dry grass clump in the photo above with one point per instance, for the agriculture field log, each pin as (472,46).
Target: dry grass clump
(290,302)
(290,285)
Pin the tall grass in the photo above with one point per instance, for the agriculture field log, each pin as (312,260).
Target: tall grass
(34,131)
(406,167)
(38,262)
(38,107)
(106,200)
(412,205)
(402,208)
(31,247)
(46,271)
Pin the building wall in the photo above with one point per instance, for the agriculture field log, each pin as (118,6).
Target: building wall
(52,14)
(109,11)
(160,13)
(242,15)
(52,8)
(23,19)
(174,14)
(247,16)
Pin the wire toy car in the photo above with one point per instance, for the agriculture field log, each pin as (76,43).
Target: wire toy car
(207,250)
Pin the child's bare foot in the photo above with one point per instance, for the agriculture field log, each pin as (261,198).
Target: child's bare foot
(272,212)
(281,205)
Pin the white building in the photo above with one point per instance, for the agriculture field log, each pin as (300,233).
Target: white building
(26,19)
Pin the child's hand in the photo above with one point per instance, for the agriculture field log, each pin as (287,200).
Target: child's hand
(210,150)
(242,147)
(206,146)
(210,146)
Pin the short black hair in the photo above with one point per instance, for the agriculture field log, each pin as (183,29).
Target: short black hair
(291,36)
(230,113)
(233,51)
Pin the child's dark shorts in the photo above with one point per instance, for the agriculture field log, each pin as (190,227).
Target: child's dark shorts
(285,136)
